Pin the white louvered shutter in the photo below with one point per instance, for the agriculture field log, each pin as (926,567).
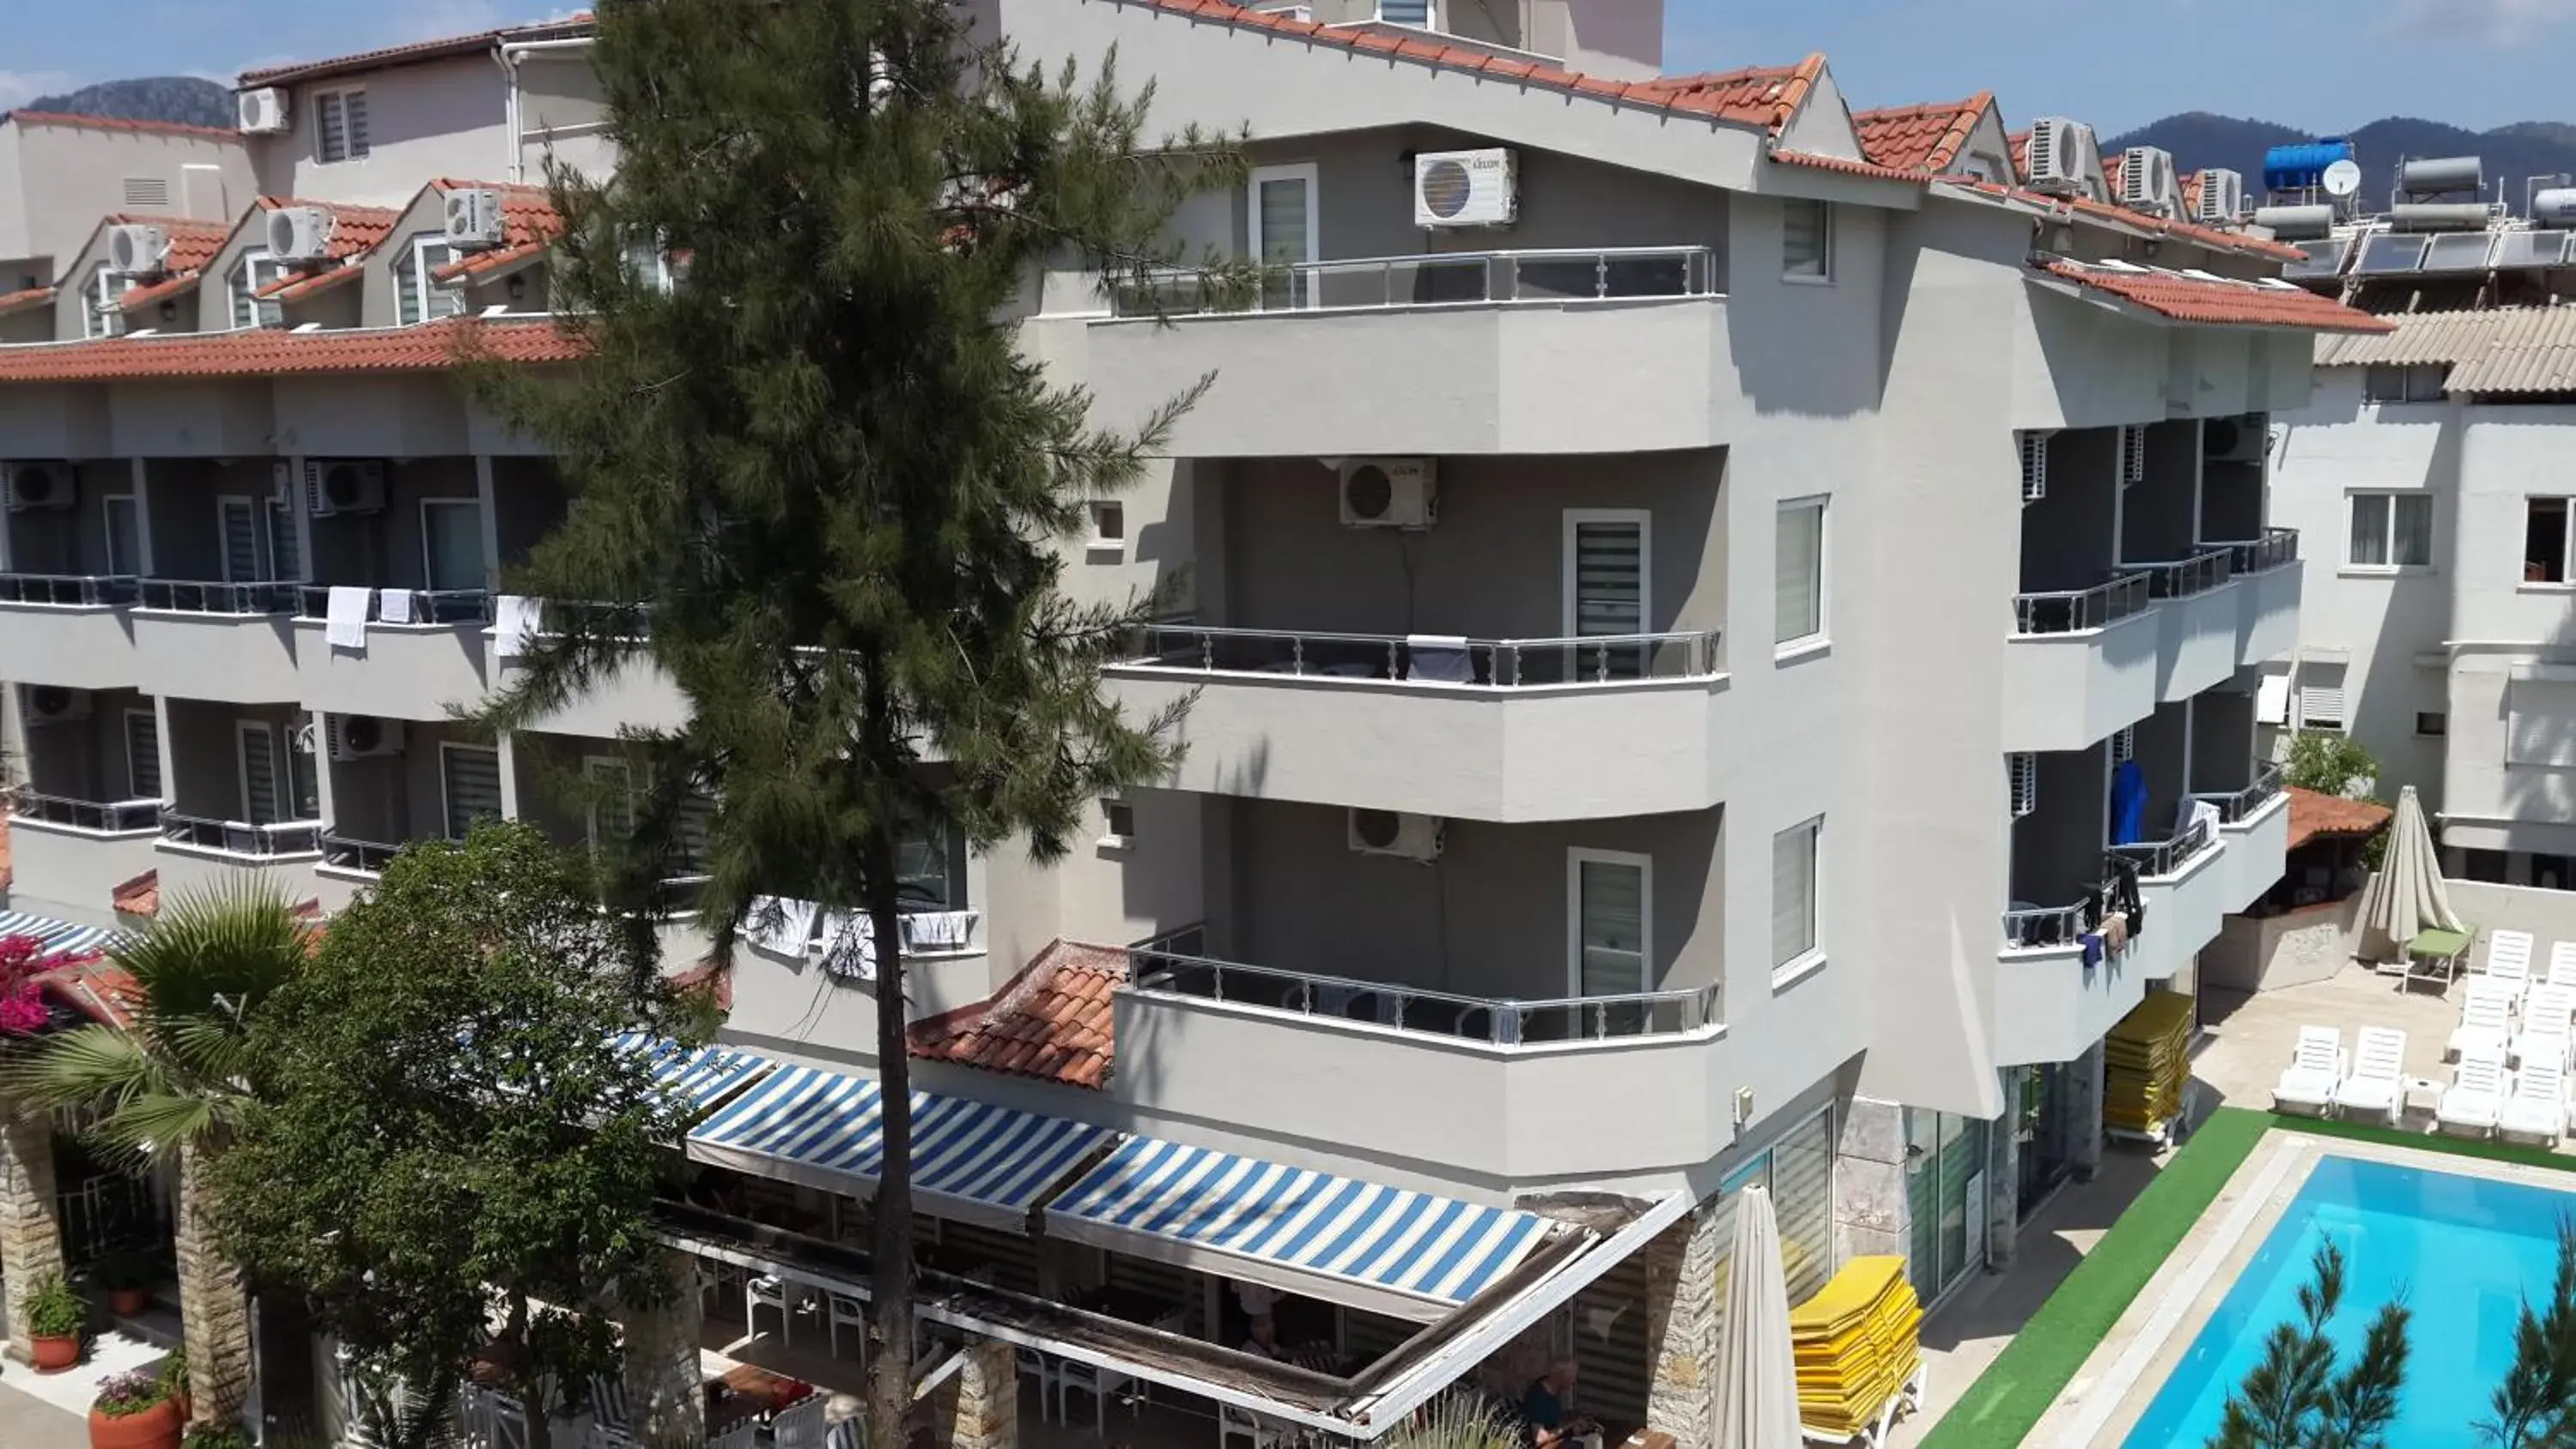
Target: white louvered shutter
(1793,892)
(2133,453)
(2034,465)
(471,780)
(2022,770)
(2321,703)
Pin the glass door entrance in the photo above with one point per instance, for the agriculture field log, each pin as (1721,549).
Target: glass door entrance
(1945,1198)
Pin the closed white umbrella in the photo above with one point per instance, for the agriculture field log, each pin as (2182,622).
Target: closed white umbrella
(1757,1373)
(2407,897)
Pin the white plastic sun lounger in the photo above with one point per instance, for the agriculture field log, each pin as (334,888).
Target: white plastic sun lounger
(2486,1023)
(2376,1085)
(2474,1102)
(2562,963)
(2544,1034)
(2307,1085)
(2509,960)
(2536,1110)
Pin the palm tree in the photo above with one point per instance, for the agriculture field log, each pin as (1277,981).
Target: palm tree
(172,1087)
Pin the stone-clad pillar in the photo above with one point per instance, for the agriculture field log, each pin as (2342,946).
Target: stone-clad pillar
(663,1392)
(31,1239)
(1871,1216)
(2084,1111)
(983,1401)
(2003,1176)
(1682,1328)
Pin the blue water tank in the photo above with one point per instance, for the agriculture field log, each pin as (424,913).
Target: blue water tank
(2287,168)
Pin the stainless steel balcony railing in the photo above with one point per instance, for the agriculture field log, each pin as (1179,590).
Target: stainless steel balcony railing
(2276,547)
(2158,858)
(428,606)
(1502,1021)
(85,590)
(110,817)
(2047,927)
(1497,663)
(350,853)
(194,597)
(286,837)
(1433,279)
(2072,611)
(2181,578)
(2235,805)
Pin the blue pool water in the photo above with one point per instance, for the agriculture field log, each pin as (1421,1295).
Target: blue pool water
(2463,1250)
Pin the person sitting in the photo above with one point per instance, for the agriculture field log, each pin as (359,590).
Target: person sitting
(1548,1408)
(1265,1338)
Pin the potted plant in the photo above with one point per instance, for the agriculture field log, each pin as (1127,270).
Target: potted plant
(126,1277)
(223,1436)
(174,1381)
(134,1411)
(55,1317)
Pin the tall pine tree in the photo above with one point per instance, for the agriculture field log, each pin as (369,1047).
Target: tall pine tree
(818,480)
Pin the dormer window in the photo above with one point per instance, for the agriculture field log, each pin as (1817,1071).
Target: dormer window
(340,126)
(102,317)
(254,271)
(417,298)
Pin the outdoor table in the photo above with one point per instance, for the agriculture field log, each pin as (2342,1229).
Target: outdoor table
(2438,951)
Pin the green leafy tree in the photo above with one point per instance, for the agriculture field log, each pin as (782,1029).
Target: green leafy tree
(2296,1399)
(2328,762)
(2535,1406)
(447,1138)
(176,1087)
(818,478)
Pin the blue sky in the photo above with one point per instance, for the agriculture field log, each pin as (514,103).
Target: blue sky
(2317,64)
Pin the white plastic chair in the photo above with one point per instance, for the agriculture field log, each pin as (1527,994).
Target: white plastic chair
(2307,1085)
(1035,1365)
(800,1425)
(2486,1022)
(2536,1110)
(845,1311)
(2509,960)
(2376,1085)
(2474,1102)
(762,1292)
(1091,1379)
(2544,1034)
(1256,1429)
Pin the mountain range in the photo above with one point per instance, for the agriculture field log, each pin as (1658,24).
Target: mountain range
(186,99)
(2199,139)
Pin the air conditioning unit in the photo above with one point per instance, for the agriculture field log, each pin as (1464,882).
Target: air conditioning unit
(300,234)
(2034,465)
(343,485)
(262,112)
(2021,773)
(2233,440)
(2063,158)
(35,486)
(2124,745)
(1387,832)
(137,250)
(1465,188)
(54,704)
(2147,180)
(2133,453)
(357,736)
(1389,493)
(2222,195)
(474,217)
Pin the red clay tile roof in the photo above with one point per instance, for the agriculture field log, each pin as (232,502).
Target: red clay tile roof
(415,52)
(119,123)
(710,977)
(2315,815)
(1763,95)
(2019,141)
(1924,137)
(475,265)
(527,212)
(1054,1020)
(2217,301)
(2134,221)
(296,286)
(268,352)
(25,301)
(1846,166)
(140,896)
(97,987)
(139,297)
(355,230)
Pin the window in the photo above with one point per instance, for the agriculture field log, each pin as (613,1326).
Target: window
(255,749)
(1608,583)
(142,755)
(285,555)
(451,543)
(340,126)
(469,778)
(1797,1171)
(1806,241)
(1282,225)
(2321,696)
(2391,530)
(1610,901)
(303,777)
(930,871)
(1794,854)
(2387,383)
(1799,588)
(417,296)
(124,523)
(1117,823)
(254,271)
(102,317)
(2433,723)
(2483,866)
(1108,524)
(2544,541)
(612,800)
(239,525)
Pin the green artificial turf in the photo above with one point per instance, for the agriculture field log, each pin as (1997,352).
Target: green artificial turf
(2006,1402)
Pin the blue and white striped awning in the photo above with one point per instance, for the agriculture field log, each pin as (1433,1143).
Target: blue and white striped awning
(1363,1244)
(971,1161)
(703,1075)
(53,937)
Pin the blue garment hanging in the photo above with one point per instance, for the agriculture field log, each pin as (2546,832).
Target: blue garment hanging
(2128,804)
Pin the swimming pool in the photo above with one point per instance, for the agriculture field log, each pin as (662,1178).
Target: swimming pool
(2464,1250)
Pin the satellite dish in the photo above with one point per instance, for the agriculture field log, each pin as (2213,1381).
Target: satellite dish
(2343,178)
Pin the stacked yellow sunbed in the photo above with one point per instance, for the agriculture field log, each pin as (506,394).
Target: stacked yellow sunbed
(1856,1344)
(2147,1066)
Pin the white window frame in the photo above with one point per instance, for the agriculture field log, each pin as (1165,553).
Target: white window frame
(1577,857)
(101,317)
(107,530)
(2566,541)
(243,729)
(447,797)
(261,565)
(351,148)
(132,778)
(428,565)
(1644,518)
(2388,534)
(1785,972)
(243,284)
(423,289)
(1111,837)
(1825,257)
(1305,171)
(1823,635)
(1096,541)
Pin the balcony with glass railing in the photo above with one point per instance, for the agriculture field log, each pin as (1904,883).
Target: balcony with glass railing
(76,850)
(69,630)
(400,653)
(2254,824)
(2269,585)
(2080,662)
(1492,1084)
(1451,726)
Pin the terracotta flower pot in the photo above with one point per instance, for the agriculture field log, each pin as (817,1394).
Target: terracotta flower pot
(53,1355)
(157,1427)
(128,1302)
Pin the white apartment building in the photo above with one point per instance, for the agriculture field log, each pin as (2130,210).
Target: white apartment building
(2441,456)
(1663,653)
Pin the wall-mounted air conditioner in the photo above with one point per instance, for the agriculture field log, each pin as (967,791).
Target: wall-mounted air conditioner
(1389,492)
(36,486)
(343,485)
(2063,158)
(137,249)
(261,112)
(2233,440)
(54,704)
(1389,832)
(1465,188)
(2147,181)
(474,217)
(2222,196)
(299,235)
(357,736)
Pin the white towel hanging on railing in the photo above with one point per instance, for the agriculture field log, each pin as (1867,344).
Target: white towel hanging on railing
(780,925)
(393,606)
(515,619)
(938,930)
(344,618)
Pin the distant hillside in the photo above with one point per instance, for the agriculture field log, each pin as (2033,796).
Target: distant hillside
(181,98)
(2199,139)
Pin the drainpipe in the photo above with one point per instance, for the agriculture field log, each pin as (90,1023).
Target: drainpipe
(509,56)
